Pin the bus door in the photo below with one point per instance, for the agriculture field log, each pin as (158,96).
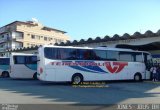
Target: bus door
(148,64)
(18,67)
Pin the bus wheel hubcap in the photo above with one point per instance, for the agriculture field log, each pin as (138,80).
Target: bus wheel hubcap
(137,78)
(77,79)
(5,75)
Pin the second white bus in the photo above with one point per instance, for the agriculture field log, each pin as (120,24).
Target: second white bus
(77,64)
(23,65)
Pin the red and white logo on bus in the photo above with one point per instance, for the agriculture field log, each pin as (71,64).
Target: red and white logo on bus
(115,67)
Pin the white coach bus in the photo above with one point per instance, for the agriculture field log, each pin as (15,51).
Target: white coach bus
(4,66)
(77,64)
(23,65)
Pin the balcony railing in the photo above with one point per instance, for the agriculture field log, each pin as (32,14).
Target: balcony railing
(7,39)
(6,47)
(3,40)
(2,49)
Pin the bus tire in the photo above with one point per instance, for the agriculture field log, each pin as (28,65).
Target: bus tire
(77,78)
(137,77)
(5,74)
(35,76)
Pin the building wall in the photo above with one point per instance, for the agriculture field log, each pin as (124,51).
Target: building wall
(29,31)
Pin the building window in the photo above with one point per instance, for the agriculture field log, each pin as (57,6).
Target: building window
(58,40)
(2,46)
(17,35)
(55,40)
(17,44)
(33,36)
(2,36)
(45,38)
(33,45)
(49,39)
(38,37)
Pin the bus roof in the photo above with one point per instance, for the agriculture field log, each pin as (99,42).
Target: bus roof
(112,48)
(27,54)
(67,47)
(96,48)
(4,57)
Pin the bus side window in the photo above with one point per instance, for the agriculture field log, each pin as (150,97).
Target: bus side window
(51,53)
(126,56)
(86,55)
(34,59)
(138,57)
(80,54)
(4,61)
(100,55)
(72,54)
(19,59)
(112,55)
(93,55)
(30,59)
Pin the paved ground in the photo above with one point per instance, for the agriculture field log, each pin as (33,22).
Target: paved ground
(30,91)
(36,92)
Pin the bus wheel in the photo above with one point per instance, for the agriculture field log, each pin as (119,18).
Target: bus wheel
(35,76)
(137,77)
(5,74)
(77,78)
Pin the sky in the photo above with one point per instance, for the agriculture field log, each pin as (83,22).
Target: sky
(83,19)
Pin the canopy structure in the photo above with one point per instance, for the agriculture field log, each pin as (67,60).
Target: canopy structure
(145,47)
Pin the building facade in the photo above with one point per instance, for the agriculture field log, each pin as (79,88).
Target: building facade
(20,34)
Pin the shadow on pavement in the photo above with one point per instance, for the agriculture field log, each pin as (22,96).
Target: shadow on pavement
(113,93)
